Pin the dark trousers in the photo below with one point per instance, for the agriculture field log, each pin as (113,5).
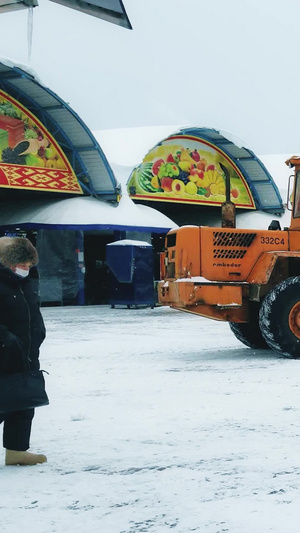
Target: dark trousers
(17,429)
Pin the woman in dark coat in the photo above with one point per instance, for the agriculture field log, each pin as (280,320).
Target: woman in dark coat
(22,331)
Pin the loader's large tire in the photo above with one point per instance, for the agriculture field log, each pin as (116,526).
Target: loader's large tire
(279,318)
(249,332)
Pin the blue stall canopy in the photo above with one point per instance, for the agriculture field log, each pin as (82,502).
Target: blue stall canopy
(69,132)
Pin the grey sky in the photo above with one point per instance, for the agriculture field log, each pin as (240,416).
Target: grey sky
(231,65)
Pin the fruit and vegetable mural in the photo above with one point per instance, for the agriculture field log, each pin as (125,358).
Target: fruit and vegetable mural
(186,169)
(29,156)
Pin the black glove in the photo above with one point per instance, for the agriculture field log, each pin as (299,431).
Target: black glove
(11,353)
(9,340)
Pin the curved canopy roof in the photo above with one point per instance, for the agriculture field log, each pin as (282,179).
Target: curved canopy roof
(190,167)
(69,131)
(109,10)
(262,186)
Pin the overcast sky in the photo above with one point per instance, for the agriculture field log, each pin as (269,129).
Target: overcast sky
(229,65)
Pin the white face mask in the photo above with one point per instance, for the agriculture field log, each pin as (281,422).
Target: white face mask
(21,272)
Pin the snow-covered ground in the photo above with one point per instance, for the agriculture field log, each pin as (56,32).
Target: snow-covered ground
(158,420)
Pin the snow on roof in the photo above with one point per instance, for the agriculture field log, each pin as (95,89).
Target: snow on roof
(129,242)
(11,63)
(86,213)
(128,146)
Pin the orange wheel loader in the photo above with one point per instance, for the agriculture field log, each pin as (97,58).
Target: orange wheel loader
(249,278)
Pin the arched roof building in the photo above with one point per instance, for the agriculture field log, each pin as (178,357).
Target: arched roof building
(57,187)
(188,168)
(48,155)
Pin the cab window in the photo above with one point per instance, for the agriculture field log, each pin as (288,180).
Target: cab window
(297,196)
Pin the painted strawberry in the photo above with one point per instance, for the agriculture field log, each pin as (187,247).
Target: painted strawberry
(195,155)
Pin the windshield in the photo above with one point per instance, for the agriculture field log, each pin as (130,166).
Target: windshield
(297,196)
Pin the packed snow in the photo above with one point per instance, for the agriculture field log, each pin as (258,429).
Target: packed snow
(158,420)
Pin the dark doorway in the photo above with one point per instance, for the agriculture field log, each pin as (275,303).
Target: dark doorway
(96,281)
(158,242)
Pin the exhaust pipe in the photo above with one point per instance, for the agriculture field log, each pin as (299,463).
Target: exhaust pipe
(228,207)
